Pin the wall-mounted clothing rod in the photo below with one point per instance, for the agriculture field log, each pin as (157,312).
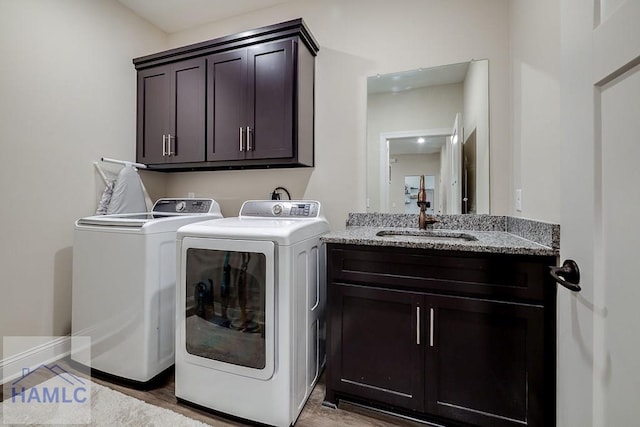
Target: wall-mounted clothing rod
(124,163)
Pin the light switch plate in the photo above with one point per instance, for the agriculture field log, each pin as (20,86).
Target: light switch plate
(519,200)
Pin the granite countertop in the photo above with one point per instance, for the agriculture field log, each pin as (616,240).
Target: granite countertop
(493,234)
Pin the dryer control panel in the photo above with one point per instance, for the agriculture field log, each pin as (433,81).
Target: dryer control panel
(280,209)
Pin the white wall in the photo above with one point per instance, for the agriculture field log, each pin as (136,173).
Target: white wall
(359,38)
(537,132)
(432,107)
(67,89)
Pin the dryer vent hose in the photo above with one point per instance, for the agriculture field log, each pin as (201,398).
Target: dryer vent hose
(275,195)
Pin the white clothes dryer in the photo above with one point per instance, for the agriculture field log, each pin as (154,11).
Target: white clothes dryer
(124,286)
(250,311)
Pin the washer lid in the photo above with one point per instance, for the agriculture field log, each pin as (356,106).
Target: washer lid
(167,214)
(135,220)
(141,223)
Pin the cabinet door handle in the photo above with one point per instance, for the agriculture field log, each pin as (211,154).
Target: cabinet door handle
(241,139)
(418,325)
(431,327)
(169,153)
(249,147)
(164,145)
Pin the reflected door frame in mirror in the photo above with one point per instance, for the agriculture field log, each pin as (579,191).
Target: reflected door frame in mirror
(385,165)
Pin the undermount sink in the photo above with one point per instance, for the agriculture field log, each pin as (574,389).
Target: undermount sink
(427,234)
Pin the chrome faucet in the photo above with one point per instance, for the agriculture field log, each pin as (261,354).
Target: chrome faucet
(424,219)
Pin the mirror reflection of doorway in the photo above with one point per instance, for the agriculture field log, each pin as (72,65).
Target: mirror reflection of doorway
(410,153)
(411,189)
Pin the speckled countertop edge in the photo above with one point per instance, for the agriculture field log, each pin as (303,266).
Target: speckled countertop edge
(494,234)
(488,241)
(545,233)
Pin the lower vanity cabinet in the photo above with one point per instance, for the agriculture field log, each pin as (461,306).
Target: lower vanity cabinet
(484,361)
(412,331)
(373,344)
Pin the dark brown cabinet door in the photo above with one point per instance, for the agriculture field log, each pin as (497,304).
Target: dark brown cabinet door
(270,99)
(171,113)
(485,361)
(226,103)
(375,345)
(188,90)
(154,111)
(250,103)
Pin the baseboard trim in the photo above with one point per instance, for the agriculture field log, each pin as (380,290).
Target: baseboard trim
(48,352)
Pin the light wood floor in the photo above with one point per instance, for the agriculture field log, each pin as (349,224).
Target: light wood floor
(313,414)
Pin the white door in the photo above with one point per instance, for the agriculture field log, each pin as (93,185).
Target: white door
(598,328)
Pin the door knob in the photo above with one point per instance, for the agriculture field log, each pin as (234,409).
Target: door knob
(568,275)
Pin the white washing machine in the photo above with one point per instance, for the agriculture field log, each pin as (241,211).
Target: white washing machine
(250,311)
(124,287)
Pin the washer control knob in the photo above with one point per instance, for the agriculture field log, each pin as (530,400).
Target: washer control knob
(277,209)
(180,206)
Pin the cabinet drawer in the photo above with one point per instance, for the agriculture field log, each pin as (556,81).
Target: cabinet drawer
(482,274)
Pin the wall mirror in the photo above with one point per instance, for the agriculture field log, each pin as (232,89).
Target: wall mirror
(432,122)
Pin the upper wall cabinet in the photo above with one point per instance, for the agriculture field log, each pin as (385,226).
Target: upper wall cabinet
(171,113)
(250,102)
(242,101)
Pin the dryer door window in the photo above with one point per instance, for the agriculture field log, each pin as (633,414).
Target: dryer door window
(229,308)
